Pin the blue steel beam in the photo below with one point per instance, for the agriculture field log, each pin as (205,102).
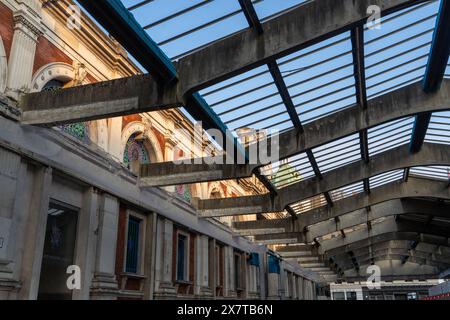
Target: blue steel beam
(434,74)
(122,25)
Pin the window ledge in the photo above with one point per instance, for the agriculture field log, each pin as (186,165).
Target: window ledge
(183,282)
(133,275)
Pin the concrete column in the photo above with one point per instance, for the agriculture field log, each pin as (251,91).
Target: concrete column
(34,239)
(229,288)
(115,147)
(104,283)
(86,242)
(13,174)
(163,270)
(299,285)
(272,282)
(294,287)
(212,266)
(27,29)
(201,265)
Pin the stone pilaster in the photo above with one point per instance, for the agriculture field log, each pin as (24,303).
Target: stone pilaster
(104,284)
(115,148)
(202,266)
(164,288)
(34,239)
(169,147)
(27,29)
(86,242)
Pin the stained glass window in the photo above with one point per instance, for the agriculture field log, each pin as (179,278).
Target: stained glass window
(78,130)
(135,150)
(184,192)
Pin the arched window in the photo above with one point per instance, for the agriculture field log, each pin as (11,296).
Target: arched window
(135,150)
(78,130)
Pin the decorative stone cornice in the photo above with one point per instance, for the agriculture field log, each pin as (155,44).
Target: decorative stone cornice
(28,25)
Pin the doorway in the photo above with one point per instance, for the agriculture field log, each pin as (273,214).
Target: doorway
(59,249)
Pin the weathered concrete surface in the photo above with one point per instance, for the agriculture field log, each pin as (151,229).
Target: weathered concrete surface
(404,102)
(96,101)
(358,216)
(396,207)
(386,237)
(400,157)
(386,226)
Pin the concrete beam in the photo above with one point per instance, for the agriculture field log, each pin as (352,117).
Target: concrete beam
(221,60)
(393,277)
(389,236)
(414,260)
(169,173)
(386,226)
(362,255)
(403,102)
(96,101)
(367,259)
(430,154)
(316,225)
(385,209)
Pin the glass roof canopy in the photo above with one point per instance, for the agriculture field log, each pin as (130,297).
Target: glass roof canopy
(184,26)
(320,80)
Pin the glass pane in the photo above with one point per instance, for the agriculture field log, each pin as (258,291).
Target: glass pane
(133,245)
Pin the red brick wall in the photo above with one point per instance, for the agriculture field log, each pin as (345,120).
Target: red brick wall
(128,119)
(47,53)
(161,139)
(6,27)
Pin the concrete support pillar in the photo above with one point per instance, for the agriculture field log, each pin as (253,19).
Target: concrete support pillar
(201,266)
(229,288)
(34,239)
(13,174)
(163,265)
(102,134)
(115,148)
(86,242)
(300,288)
(104,284)
(27,29)
(272,282)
